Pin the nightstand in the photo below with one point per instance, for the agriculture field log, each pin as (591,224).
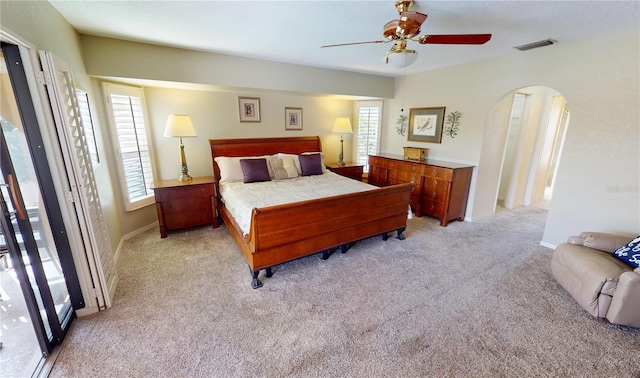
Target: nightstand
(349,169)
(185,205)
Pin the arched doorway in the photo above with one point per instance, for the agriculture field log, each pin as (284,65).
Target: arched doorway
(527,129)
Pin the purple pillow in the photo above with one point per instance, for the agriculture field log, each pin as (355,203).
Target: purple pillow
(310,164)
(254,170)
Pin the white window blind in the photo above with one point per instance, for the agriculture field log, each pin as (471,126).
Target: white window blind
(368,132)
(129,124)
(87,124)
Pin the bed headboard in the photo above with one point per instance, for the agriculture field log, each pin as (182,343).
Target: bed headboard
(261,146)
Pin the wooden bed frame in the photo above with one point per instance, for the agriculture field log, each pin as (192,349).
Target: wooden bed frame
(287,232)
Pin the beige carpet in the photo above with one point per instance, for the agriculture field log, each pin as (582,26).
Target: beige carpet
(472,299)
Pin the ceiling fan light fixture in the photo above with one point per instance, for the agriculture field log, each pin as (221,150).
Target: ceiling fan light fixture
(400,58)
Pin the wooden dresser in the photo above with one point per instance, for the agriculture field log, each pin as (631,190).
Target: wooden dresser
(441,188)
(185,205)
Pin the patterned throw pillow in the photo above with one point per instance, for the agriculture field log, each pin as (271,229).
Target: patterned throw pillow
(283,168)
(255,170)
(630,253)
(311,164)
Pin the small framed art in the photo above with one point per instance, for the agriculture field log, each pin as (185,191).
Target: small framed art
(425,124)
(293,118)
(249,108)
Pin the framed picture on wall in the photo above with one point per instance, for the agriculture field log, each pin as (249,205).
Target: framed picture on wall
(425,124)
(293,118)
(249,108)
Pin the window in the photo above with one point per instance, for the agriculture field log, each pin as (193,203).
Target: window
(87,124)
(128,121)
(367,139)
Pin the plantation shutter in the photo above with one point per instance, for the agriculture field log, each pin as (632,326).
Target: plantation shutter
(368,132)
(64,105)
(133,145)
(87,124)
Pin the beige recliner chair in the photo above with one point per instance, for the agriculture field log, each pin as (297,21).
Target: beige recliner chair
(601,283)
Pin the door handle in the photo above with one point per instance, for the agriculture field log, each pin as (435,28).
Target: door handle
(17,198)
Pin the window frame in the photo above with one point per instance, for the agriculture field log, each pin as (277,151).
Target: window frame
(357,106)
(130,91)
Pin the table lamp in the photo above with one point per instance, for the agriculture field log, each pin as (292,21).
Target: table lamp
(342,126)
(180,126)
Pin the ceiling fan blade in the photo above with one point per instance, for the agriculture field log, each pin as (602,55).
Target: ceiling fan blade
(409,23)
(390,29)
(455,39)
(353,43)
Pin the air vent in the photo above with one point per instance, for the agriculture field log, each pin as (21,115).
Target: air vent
(535,45)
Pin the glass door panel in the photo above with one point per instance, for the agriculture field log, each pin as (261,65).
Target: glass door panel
(37,304)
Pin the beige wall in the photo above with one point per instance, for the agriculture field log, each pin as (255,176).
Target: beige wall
(107,57)
(598,176)
(215,116)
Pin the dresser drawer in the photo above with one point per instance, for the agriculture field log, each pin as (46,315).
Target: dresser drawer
(377,176)
(163,194)
(402,176)
(433,208)
(178,205)
(374,160)
(415,190)
(438,172)
(435,195)
(431,183)
(178,221)
(416,169)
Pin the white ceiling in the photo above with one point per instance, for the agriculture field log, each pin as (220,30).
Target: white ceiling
(293,31)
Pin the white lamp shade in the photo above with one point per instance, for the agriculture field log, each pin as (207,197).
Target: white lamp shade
(179,126)
(342,126)
(400,58)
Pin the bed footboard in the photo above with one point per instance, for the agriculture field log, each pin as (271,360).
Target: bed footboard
(288,232)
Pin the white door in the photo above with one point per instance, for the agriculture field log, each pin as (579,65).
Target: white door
(71,135)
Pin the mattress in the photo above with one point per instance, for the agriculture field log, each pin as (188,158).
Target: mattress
(240,198)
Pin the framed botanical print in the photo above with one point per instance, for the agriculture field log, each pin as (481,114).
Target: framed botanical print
(425,124)
(293,118)
(249,108)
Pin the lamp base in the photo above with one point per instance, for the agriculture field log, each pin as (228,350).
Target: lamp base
(341,156)
(184,177)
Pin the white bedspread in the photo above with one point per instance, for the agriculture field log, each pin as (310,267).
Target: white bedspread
(240,198)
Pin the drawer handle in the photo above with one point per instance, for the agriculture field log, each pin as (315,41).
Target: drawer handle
(201,190)
(433,207)
(434,194)
(391,165)
(169,205)
(413,169)
(203,201)
(435,173)
(435,182)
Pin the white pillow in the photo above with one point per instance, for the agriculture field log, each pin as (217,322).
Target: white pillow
(296,161)
(283,168)
(230,169)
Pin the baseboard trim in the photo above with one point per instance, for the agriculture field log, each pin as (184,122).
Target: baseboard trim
(129,236)
(548,245)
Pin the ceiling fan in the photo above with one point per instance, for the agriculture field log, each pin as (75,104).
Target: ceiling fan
(407,28)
